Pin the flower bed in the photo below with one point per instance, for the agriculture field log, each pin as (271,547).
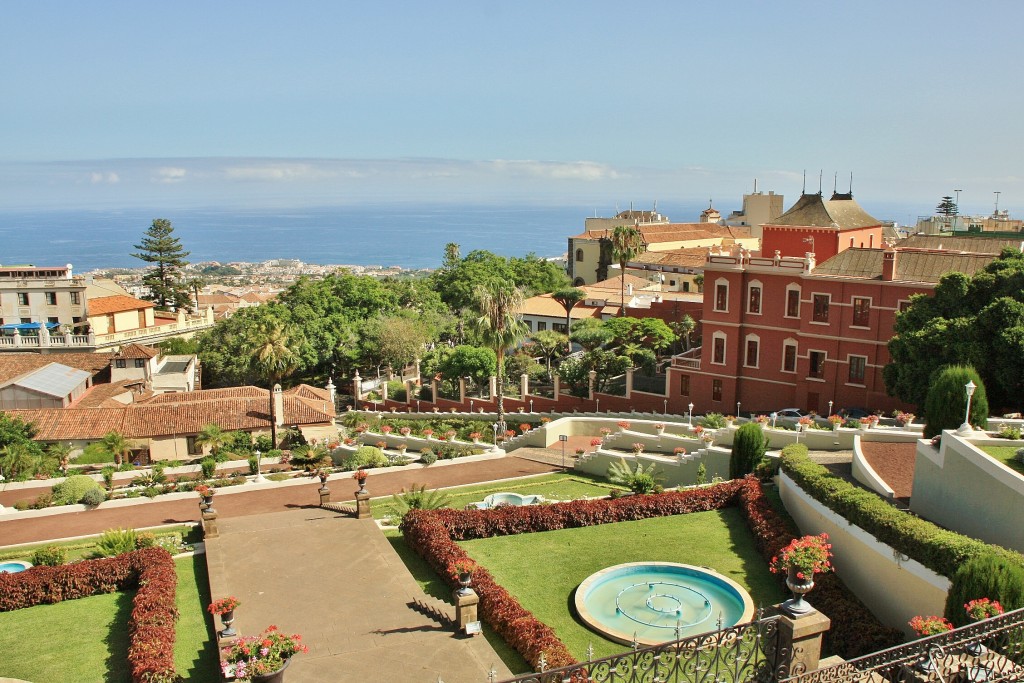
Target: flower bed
(151,623)
(434,534)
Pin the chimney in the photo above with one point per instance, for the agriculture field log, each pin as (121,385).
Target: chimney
(889,264)
(629,289)
(278,405)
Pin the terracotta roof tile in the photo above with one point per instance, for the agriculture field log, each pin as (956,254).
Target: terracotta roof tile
(62,424)
(115,304)
(15,364)
(137,351)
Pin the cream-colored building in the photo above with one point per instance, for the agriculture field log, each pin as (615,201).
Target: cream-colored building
(758,208)
(41,295)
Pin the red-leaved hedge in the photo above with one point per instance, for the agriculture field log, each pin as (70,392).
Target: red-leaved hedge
(151,623)
(433,534)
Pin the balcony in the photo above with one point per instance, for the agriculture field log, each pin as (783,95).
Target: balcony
(689,360)
(99,342)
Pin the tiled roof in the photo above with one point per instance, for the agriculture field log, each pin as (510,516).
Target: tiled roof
(102,395)
(137,351)
(210,395)
(677,232)
(691,257)
(63,424)
(812,210)
(544,305)
(972,245)
(15,364)
(911,266)
(116,304)
(615,284)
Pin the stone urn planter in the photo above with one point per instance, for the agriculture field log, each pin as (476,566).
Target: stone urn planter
(274,676)
(465,580)
(799,587)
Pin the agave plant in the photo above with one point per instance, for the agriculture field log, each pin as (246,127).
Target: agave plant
(418,498)
(640,480)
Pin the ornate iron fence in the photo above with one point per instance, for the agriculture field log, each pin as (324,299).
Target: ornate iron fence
(990,650)
(744,653)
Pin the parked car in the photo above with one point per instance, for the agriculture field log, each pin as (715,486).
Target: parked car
(854,413)
(794,413)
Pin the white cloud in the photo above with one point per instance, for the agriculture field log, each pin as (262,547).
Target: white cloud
(281,172)
(574,170)
(104,178)
(170,174)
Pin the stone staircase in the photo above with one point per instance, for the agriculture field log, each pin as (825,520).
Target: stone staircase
(436,610)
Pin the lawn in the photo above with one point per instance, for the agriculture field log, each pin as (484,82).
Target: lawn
(543,569)
(1006,455)
(86,640)
(85,548)
(554,487)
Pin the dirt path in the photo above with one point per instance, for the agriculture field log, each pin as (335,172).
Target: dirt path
(259,502)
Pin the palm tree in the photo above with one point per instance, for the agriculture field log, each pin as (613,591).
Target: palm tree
(271,356)
(116,445)
(569,298)
(684,328)
(213,436)
(627,244)
(61,452)
(17,459)
(500,326)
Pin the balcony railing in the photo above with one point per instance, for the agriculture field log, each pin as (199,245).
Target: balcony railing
(689,360)
(989,650)
(99,341)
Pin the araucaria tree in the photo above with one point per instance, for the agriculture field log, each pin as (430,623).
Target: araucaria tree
(627,244)
(500,326)
(167,288)
(946,207)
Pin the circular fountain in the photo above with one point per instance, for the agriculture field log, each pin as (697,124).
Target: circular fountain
(656,602)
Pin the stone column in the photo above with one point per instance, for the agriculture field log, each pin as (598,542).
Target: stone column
(524,386)
(629,382)
(494,388)
(325,495)
(462,390)
(357,389)
(363,505)
(558,384)
(800,640)
(592,382)
(465,607)
(210,524)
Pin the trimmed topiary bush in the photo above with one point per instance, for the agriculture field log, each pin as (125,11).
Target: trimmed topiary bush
(748,447)
(947,400)
(50,556)
(366,457)
(71,490)
(208,466)
(986,575)
(93,497)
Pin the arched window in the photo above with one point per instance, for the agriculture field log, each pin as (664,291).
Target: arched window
(579,255)
(578,282)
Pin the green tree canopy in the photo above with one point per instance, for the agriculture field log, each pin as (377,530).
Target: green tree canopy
(469,361)
(500,326)
(167,289)
(627,244)
(947,207)
(459,278)
(976,321)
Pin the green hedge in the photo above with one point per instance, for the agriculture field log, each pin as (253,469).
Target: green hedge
(941,550)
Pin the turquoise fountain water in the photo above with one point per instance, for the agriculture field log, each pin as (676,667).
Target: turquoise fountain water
(655,602)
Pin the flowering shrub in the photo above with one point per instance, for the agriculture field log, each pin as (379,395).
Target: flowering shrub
(405,431)
(596,442)
(624,424)
(525,427)
(223,605)
(679,450)
(638,448)
(983,608)
(808,556)
(605,431)
(260,655)
(930,626)
(151,622)
(386,429)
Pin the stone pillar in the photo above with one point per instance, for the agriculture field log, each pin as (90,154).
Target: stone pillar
(493,383)
(524,385)
(465,607)
(462,390)
(384,392)
(210,524)
(558,384)
(325,495)
(592,382)
(433,392)
(357,389)
(800,640)
(363,505)
(629,382)
(410,387)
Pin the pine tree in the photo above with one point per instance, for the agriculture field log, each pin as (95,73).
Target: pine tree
(167,288)
(946,207)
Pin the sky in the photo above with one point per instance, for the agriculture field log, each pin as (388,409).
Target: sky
(284,104)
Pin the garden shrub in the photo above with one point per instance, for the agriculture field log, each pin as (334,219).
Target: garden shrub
(254,464)
(42,501)
(713,421)
(986,575)
(93,454)
(428,457)
(49,556)
(108,476)
(114,542)
(208,467)
(151,622)
(366,457)
(748,448)
(145,539)
(640,480)
(71,490)
(93,497)
(947,400)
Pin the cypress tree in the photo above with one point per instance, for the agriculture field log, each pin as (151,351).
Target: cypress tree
(167,289)
(946,403)
(748,447)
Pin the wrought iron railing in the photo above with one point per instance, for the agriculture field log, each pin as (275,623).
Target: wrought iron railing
(744,653)
(989,650)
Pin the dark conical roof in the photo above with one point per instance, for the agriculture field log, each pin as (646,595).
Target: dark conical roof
(841,212)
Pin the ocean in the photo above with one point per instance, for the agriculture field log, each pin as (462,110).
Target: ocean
(408,235)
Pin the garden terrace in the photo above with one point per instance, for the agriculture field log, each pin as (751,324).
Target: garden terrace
(434,535)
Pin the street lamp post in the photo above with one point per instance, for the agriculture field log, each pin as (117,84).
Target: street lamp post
(775,416)
(737,410)
(957,208)
(829,409)
(966,428)
(258,479)
(495,428)
(689,415)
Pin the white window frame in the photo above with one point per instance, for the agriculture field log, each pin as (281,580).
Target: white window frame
(714,304)
(796,355)
(760,298)
(799,302)
(849,365)
(746,357)
(725,348)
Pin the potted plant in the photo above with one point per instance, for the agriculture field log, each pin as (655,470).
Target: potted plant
(659,428)
(836,421)
(475,436)
(262,658)
(729,420)
(545,420)
(525,427)
(362,427)
(405,431)
(402,448)
(708,437)
(580,452)
(360,476)
(509,433)
(638,448)
(462,569)
(450,435)
(206,494)
(323,474)
(866,422)
(386,429)
(679,451)
(698,429)
(800,561)
(977,610)
(904,419)
(605,432)
(427,433)
(804,423)
(930,626)
(623,425)
(762,420)
(596,442)
(225,609)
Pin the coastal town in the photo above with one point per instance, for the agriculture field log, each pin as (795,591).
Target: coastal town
(771,359)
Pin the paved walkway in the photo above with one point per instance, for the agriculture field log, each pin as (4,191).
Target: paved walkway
(274,499)
(338,582)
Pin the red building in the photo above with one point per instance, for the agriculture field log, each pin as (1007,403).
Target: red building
(785,332)
(822,227)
